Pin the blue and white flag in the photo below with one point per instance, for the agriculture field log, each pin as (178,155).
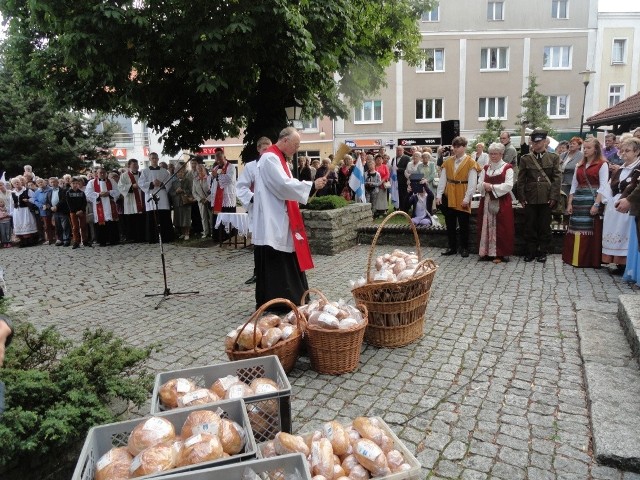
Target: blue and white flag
(356,181)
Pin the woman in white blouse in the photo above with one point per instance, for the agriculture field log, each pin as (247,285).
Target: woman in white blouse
(495,215)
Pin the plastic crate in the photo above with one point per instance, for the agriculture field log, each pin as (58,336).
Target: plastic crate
(274,408)
(278,468)
(101,439)
(413,474)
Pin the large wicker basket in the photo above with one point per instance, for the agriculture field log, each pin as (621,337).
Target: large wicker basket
(286,350)
(334,352)
(396,309)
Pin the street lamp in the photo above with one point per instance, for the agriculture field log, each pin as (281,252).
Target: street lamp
(294,114)
(586,76)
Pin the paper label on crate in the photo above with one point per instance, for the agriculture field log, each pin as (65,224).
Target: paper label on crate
(156,425)
(183,385)
(368,449)
(105,460)
(193,396)
(327,430)
(210,428)
(227,381)
(236,391)
(193,440)
(265,388)
(137,461)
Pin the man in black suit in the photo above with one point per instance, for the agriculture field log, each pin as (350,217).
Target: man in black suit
(401,161)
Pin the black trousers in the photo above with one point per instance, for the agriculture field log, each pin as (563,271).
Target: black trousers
(453,219)
(403,195)
(107,233)
(537,228)
(166,227)
(278,275)
(134,227)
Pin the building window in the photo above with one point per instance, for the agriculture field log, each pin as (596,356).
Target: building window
(557,57)
(310,126)
(494,58)
(616,94)
(495,11)
(428,109)
(560,9)
(370,112)
(433,60)
(619,52)
(432,15)
(492,107)
(557,106)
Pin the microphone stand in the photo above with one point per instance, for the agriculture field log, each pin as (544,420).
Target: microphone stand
(155,198)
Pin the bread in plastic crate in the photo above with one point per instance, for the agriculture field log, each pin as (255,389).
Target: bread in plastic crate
(103,438)
(286,467)
(413,474)
(270,413)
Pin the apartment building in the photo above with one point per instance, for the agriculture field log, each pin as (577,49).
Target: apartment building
(478,57)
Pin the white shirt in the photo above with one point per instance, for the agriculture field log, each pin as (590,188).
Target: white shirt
(227,182)
(245,182)
(124,185)
(147,176)
(472,180)
(272,187)
(499,189)
(603,179)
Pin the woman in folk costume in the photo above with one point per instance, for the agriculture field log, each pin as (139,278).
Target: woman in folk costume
(583,241)
(223,184)
(619,226)
(103,193)
(282,251)
(457,184)
(495,215)
(382,201)
(24,222)
(181,193)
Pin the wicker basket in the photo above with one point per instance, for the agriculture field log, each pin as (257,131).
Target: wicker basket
(334,352)
(286,350)
(396,309)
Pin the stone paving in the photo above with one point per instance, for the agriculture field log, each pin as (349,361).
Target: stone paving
(494,389)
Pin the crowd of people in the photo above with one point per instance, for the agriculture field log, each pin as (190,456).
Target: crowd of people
(126,205)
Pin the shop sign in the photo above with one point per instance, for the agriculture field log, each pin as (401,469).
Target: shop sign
(119,152)
(419,141)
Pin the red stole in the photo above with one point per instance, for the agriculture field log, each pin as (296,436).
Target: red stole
(99,206)
(217,201)
(296,225)
(136,193)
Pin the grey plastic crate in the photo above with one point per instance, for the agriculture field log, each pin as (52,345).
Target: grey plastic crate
(277,468)
(413,474)
(275,408)
(103,438)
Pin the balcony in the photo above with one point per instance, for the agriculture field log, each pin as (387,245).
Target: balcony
(122,139)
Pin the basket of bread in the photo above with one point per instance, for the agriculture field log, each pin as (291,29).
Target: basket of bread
(268,334)
(396,292)
(366,448)
(334,333)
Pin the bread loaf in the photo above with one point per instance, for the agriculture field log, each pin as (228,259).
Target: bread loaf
(270,337)
(114,465)
(170,391)
(371,457)
(221,385)
(232,437)
(239,390)
(199,448)
(158,458)
(287,443)
(200,396)
(148,433)
(322,458)
(201,421)
(336,434)
(247,339)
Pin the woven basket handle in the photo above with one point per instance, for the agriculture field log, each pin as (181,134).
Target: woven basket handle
(310,291)
(379,231)
(365,312)
(258,313)
(426,264)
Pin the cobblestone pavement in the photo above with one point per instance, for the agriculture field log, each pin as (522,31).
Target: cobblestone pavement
(494,389)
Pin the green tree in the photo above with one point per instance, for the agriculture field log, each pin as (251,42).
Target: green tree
(491,133)
(199,69)
(534,106)
(33,131)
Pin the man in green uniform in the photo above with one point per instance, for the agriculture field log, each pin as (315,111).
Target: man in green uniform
(538,191)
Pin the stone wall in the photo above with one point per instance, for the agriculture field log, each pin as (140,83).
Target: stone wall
(332,231)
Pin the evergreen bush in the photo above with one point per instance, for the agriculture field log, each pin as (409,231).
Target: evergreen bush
(327,202)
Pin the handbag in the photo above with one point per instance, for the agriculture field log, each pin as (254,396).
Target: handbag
(387,184)
(494,206)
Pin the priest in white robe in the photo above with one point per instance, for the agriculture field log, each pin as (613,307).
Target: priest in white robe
(134,203)
(103,193)
(153,182)
(282,252)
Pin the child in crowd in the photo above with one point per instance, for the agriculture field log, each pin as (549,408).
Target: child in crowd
(77,202)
